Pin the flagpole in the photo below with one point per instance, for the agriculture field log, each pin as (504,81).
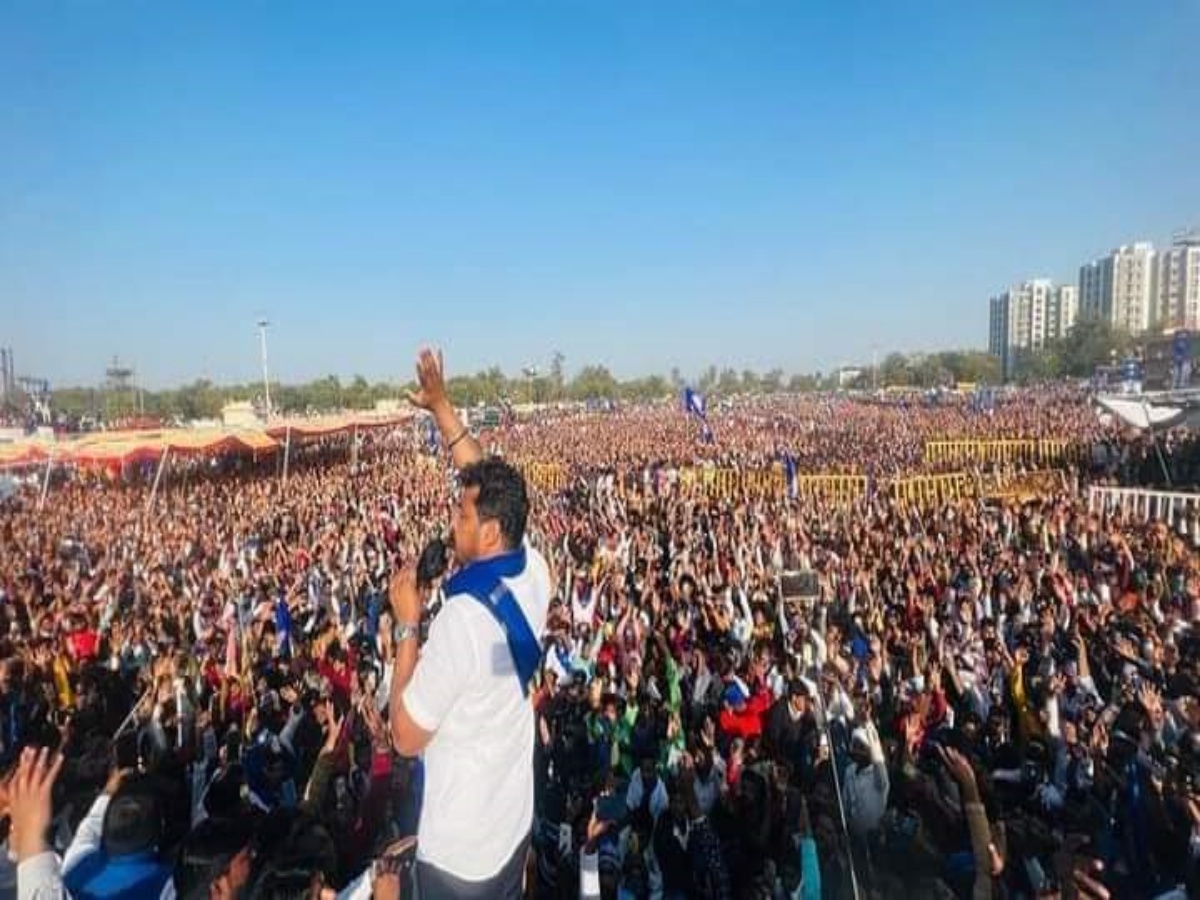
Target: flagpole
(837,786)
(287,452)
(46,481)
(823,712)
(162,464)
(133,712)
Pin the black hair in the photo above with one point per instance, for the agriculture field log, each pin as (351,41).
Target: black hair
(207,853)
(502,496)
(294,848)
(223,799)
(133,822)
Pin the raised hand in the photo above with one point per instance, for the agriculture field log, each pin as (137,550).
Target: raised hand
(380,738)
(1079,876)
(333,727)
(912,732)
(431,392)
(959,767)
(1151,699)
(29,795)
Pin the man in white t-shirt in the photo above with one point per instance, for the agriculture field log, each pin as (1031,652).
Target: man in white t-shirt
(464,702)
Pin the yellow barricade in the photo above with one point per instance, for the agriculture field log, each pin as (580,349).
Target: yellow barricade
(734,482)
(771,482)
(1002,452)
(544,476)
(1023,485)
(837,488)
(934,489)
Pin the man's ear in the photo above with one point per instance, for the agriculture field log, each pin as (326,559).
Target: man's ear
(489,530)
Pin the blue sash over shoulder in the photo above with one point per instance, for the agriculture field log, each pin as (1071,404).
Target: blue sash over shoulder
(482,580)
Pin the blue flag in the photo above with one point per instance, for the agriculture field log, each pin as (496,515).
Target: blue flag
(694,404)
(789,472)
(283,625)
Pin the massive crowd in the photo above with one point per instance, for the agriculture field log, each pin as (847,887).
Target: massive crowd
(741,696)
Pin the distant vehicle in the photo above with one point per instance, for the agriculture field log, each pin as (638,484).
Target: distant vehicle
(1124,378)
(488,417)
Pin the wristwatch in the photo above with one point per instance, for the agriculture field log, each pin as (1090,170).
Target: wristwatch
(405,630)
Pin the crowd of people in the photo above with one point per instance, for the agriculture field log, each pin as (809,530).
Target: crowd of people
(741,695)
(880,437)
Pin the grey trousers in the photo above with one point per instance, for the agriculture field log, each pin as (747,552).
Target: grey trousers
(507,884)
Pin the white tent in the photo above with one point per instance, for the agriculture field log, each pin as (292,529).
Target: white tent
(1155,412)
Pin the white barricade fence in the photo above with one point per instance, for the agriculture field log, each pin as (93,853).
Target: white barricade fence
(1179,510)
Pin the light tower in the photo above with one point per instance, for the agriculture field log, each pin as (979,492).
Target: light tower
(118,383)
(263,324)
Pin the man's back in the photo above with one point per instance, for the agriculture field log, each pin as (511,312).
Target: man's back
(478,801)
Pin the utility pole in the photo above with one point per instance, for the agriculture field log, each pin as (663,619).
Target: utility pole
(530,373)
(262,344)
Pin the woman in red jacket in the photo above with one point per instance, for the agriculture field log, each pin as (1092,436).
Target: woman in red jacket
(742,715)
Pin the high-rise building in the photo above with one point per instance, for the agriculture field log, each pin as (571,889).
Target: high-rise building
(1121,287)
(1062,311)
(1178,302)
(8,380)
(1028,315)
(1095,290)
(998,325)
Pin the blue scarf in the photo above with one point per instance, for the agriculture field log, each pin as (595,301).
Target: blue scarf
(98,875)
(504,565)
(482,580)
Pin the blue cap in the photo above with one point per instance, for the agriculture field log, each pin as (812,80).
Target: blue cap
(735,694)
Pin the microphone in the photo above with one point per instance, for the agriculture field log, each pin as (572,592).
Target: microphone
(434,561)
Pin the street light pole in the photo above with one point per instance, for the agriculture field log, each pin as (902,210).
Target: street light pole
(262,344)
(530,375)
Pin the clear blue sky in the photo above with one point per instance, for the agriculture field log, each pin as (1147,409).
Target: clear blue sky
(645,185)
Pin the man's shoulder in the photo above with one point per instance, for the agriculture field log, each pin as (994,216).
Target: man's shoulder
(535,560)
(462,607)
(537,564)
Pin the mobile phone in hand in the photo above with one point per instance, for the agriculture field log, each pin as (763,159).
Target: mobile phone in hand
(610,808)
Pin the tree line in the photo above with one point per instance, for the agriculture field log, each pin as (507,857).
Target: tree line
(202,399)
(1090,343)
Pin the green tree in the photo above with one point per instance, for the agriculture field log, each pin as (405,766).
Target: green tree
(1034,366)
(382,390)
(1091,343)
(199,400)
(970,366)
(652,387)
(803,383)
(894,370)
(358,393)
(594,383)
(323,394)
(557,375)
(728,383)
(74,401)
(928,372)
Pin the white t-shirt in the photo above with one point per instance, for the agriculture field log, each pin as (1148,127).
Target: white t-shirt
(478,803)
